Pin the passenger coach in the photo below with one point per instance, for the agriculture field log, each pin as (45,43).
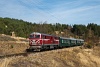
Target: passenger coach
(64,42)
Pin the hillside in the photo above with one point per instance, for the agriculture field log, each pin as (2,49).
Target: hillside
(23,28)
(67,57)
(12,45)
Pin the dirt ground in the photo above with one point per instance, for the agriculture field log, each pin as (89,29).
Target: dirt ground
(67,57)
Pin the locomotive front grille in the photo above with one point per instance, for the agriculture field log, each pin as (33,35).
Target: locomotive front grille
(34,42)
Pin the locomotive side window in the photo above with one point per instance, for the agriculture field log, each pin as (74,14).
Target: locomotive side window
(43,37)
(47,37)
(55,37)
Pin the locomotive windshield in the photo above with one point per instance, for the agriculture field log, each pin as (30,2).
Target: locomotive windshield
(34,36)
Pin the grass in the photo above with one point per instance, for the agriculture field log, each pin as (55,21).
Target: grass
(67,57)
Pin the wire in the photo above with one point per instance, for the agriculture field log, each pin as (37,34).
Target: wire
(48,12)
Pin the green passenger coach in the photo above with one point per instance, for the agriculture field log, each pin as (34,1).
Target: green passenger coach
(64,42)
(81,42)
(73,42)
(78,42)
(69,42)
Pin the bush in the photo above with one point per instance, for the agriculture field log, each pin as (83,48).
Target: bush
(12,46)
(89,46)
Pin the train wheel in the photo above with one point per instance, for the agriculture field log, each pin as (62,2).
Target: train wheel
(29,50)
(38,50)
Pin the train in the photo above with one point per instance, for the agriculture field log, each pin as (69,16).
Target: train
(41,41)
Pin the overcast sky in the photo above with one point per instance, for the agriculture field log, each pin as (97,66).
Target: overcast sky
(52,11)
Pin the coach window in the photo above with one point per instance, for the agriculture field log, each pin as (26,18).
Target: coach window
(72,41)
(67,41)
(62,41)
(78,41)
(82,41)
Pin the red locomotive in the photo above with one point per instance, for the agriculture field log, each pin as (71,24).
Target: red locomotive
(39,41)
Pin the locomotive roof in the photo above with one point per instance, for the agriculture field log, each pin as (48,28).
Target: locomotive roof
(35,33)
(42,34)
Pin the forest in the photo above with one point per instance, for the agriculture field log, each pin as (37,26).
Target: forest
(23,29)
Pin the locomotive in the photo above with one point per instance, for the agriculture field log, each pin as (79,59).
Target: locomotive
(41,41)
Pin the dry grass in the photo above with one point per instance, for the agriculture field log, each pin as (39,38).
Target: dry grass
(12,45)
(67,57)
(12,48)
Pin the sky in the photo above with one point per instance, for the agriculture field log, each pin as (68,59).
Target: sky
(52,11)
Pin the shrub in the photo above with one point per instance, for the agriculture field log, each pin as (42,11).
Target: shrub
(12,46)
(89,46)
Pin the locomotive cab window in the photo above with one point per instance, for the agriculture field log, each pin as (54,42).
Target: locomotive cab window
(34,36)
(31,36)
(37,36)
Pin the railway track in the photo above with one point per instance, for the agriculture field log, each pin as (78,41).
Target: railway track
(18,54)
(25,54)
